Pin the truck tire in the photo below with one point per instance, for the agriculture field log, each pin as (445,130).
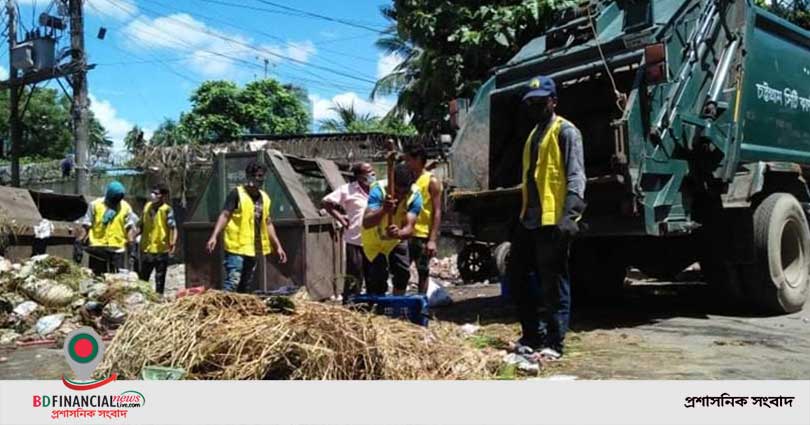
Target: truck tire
(779,279)
(475,263)
(502,257)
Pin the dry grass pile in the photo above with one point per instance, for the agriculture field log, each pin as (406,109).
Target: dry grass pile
(219,335)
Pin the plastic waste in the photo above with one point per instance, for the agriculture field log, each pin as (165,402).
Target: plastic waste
(113,314)
(25,309)
(46,325)
(48,292)
(469,328)
(522,363)
(437,295)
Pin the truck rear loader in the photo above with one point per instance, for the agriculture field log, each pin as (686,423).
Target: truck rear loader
(695,116)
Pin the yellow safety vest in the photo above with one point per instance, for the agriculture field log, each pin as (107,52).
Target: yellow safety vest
(425,220)
(549,174)
(239,232)
(114,233)
(156,233)
(375,241)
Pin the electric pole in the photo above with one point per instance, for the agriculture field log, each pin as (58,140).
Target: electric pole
(80,103)
(14,124)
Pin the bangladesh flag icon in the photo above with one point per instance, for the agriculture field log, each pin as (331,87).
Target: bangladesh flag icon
(84,350)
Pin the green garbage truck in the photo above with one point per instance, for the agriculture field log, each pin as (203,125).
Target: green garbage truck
(695,117)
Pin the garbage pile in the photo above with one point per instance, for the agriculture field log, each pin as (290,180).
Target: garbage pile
(47,297)
(445,268)
(218,335)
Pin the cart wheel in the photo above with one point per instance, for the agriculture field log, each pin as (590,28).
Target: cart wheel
(475,263)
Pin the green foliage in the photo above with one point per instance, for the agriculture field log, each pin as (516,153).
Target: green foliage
(222,111)
(796,11)
(134,139)
(349,120)
(169,133)
(449,49)
(47,125)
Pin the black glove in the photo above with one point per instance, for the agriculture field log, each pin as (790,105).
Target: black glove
(568,227)
(78,251)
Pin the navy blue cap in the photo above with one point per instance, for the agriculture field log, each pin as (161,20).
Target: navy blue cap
(541,86)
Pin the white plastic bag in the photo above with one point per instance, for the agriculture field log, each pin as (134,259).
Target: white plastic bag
(46,325)
(437,295)
(26,308)
(43,230)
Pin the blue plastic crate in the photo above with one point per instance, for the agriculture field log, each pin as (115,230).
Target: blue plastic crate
(409,307)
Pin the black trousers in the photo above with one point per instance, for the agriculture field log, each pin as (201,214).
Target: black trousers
(397,264)
(543,252)
(103,260)
(357,268)
(157,262)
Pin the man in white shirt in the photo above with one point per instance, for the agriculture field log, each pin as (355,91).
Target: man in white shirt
(347,204)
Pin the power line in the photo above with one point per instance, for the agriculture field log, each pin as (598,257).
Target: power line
(318,43)
(289,11)
(160,62)
(268,35)
(332,85)
(323,17)
(252,47)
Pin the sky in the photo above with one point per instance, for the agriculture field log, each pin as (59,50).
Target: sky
(157,51)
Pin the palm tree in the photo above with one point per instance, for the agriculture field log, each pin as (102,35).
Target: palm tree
(402,79)
(349,120)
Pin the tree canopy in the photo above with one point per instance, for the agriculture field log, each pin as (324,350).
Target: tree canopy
(349,120)
(222,111)
(448,49)
(47,125)
(796,11)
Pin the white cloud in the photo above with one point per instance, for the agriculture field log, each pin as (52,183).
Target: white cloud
(107,115)
(300,51)
(387,63)
(176,31)
(322,107)
(3,73)
(211,52)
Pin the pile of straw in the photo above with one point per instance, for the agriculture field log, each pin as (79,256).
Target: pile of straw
(219,335)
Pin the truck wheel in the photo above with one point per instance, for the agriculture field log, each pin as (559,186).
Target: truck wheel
(502,257)
(780,276)
(475,263)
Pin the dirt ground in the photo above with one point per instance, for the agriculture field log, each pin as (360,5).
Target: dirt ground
(657,331)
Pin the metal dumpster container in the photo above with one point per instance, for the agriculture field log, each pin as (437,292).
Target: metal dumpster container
(295,185)
(21,210)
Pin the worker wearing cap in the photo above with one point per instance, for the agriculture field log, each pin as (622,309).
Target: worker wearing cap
(158,237)
(245,219)
(107,227)
(385,242)
(553,188)
(422,247)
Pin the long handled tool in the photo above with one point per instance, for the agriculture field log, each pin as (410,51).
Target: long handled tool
(390,161)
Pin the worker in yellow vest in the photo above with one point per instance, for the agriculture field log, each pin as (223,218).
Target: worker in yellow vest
(423,245)
(385,240)
(158,230)
(553,189)
(107,228)
(248,229)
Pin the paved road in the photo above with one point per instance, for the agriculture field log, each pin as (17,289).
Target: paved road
(661,331)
